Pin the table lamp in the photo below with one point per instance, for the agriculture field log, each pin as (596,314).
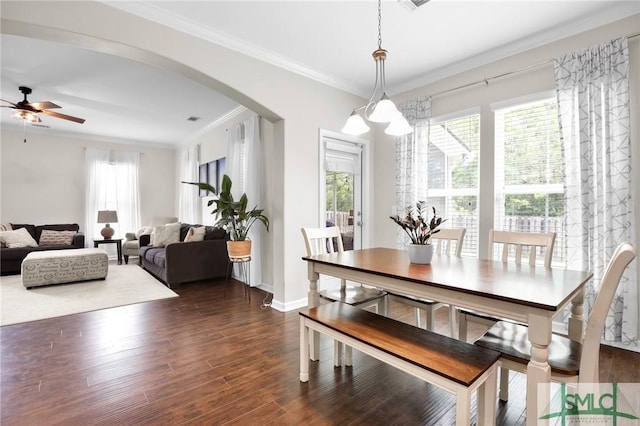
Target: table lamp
(107,217)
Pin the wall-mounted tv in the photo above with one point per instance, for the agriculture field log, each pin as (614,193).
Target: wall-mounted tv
(211,173)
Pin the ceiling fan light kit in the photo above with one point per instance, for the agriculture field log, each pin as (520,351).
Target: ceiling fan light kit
(379,109)
(28,111)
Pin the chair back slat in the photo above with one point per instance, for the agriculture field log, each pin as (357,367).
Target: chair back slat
(449,239)
(322,240)
(533,240)
(589,369)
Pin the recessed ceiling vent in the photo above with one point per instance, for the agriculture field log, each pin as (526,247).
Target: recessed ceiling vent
(192,118)
(412,5)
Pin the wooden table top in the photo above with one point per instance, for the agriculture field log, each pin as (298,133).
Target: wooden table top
(534,286)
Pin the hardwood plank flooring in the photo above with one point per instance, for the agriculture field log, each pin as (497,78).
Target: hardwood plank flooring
(206,359)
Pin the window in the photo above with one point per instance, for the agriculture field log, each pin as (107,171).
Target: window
(453,175)
(528,171)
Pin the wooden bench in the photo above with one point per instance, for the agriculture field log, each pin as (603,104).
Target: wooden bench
(452,365)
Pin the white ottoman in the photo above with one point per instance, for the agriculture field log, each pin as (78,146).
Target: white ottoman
(64,266)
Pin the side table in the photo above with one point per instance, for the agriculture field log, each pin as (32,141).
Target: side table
(243,266)
(116,241)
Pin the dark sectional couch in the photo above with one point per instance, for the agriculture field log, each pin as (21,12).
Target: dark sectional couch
(183,262)
(11,258)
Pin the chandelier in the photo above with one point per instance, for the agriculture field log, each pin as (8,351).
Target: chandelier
(379,109)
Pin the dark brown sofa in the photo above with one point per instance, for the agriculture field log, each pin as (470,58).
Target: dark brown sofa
(11,258)
(182,262)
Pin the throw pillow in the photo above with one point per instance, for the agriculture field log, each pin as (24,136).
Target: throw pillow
(5,227)
(195,233)
(165,234)
(144,230)
(18,238)
(56,238)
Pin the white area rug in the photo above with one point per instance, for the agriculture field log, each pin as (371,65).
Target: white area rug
(125,285)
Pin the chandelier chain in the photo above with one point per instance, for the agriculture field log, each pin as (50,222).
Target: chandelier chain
(379,24)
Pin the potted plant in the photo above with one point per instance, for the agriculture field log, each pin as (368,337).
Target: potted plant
(419,230)
(234,217)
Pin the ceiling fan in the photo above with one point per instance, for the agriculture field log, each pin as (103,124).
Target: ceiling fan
(28,111)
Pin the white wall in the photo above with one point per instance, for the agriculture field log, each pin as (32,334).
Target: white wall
(43,180)
(535,80)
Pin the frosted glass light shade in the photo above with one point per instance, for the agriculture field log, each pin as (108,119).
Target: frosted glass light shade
(355,125)
(384,111)
(398,127)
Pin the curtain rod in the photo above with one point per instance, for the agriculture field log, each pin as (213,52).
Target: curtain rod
(488,79)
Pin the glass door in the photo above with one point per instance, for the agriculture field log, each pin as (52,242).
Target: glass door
(342,189)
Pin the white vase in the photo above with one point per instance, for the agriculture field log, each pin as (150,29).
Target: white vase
(420,253)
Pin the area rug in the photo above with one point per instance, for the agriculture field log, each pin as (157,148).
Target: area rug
(124,285)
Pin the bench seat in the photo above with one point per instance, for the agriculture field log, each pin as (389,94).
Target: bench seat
(450,364)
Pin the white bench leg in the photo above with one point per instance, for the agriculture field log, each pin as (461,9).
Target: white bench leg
(314,342)
(462,327)
(463,406)
(348,356)
(487,400)
(304,351)
(337,353)
(453,321)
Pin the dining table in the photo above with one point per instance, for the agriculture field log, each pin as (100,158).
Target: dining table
(527,294)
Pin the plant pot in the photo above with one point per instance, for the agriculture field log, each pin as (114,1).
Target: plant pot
(420,253)
(239,250)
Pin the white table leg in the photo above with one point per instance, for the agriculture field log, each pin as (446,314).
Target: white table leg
(538,370)
(304,351)
(576,320)
(313,301)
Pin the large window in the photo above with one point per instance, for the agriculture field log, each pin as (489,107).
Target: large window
(453,174)
(528,171)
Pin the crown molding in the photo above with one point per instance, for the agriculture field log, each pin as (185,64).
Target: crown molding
(151,12)
(217,123)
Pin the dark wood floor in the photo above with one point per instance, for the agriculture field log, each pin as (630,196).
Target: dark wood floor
(204,359)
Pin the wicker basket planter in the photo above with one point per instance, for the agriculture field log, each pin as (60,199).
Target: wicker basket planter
(239,249)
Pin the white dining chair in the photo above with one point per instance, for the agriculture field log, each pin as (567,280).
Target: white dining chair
(569,361)
(447,241)
(513,243)
(329,240)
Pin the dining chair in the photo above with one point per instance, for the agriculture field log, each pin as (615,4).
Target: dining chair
(512,242)
(329,240)
(569,361)
(447,241)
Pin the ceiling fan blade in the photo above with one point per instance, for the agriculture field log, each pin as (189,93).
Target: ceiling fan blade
(4,100)
(63,116)
(44,105)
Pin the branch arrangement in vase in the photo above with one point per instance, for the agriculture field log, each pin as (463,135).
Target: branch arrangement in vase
(415,223)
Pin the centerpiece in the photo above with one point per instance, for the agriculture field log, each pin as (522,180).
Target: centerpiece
(234,217)
(419,230)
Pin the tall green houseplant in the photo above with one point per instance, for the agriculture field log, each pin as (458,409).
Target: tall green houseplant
(233,215)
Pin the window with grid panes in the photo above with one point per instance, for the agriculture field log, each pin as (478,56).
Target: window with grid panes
(453,175)
(528,171)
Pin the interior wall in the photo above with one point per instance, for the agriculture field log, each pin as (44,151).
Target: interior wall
(522,83)
(43,180)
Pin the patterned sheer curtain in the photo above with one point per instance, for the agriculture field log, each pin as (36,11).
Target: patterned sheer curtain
(411,159)
(244,167)
(592,87)
(188,196)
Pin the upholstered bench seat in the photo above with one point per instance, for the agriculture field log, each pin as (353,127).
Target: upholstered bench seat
(64,266)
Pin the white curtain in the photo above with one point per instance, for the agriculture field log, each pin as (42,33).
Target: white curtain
(111,184)
(412,159)
(592,87)
(244,167)
(188,195)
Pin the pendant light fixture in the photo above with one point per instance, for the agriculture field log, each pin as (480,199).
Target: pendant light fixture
(380,108)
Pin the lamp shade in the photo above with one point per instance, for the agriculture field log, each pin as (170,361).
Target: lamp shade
(355,125)
(398,127)
(107,216)
(385,111)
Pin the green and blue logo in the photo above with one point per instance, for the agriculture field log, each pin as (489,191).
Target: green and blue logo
(593,403)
